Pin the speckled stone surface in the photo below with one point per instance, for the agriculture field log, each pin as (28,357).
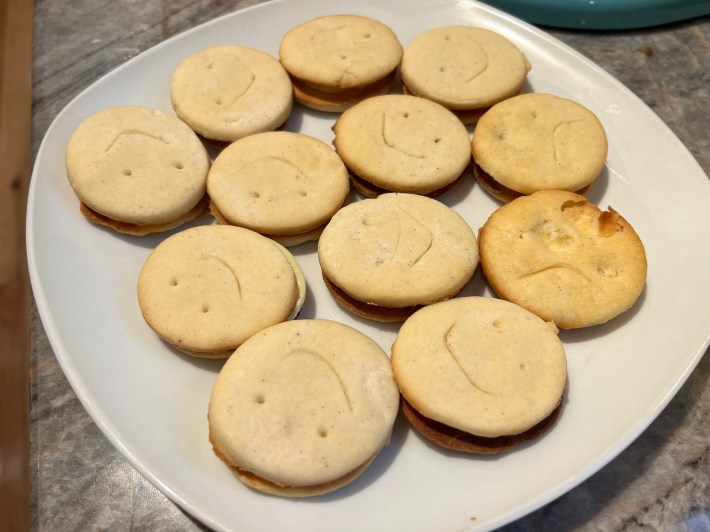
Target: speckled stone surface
(80,482)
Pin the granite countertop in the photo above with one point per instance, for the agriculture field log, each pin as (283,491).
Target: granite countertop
(80,482)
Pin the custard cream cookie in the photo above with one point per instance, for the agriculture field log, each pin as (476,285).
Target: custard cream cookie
(303,408)
(383,258)
(281,184)
(479,374)
(464,68)
(207,289)
(563,258)
(398,143)
(225,93)
(535,142)
(137,170)
(336,61)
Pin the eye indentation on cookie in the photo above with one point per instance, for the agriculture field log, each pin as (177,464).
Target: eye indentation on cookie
(205,309)
(442,69)
(323,432)
(218,101)
(533,114)
(303,193)
(209,65)
(331,369)
(178,165)
(260,399)
(133,132)
(451,351)
(437,140)
(173,282)
(343,56)
(127,172)
(497,324)
(367,35)
(254,194)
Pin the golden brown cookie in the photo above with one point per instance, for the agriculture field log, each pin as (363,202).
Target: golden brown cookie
(563,258)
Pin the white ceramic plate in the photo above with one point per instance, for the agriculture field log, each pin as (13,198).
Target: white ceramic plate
(151,401)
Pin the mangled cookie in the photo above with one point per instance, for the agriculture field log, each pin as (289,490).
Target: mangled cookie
(338,60)
(283,185)
(535,142)
(398,143)
(302,408)
(563,258)
(383,258)
(225,93)
(207,289)
(137,170)
(479,374)
(464,68)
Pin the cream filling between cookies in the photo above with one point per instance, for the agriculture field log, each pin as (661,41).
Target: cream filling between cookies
(369,189)
(501,192)
(137,229)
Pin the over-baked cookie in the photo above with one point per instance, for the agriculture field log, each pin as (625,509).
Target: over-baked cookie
(383,258)
(137,170)
(303,407)
(336,61)
(281,184)
(464,68)
(207,289)
(538,141)
(226,93)
(563,258)
(479,374)
(398,143)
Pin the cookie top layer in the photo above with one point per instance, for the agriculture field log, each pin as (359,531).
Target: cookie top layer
(278,183)
(398,250)
(481,365)
(207,289)
(540,141)
(563,258)
(463,67)
(402,143)
(303,403)
(137,165)
(228,92)
(340,51)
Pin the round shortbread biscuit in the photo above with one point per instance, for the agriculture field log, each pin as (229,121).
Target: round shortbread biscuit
(539,141)
(137,170)
(463,68)
(339,59)
(303,407)
(563,258)
(402,143)
(480,365)
(207,289)
(280,184)
(398,250)
(229,92)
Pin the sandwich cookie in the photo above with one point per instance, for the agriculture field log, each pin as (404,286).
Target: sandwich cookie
(225,93)
(302,408)
(537,141)
(465,69)
(207,289)
(563,258)
(478,374)
(336,61)
(384,258)
(137,170)
(398,143)
(281,184)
